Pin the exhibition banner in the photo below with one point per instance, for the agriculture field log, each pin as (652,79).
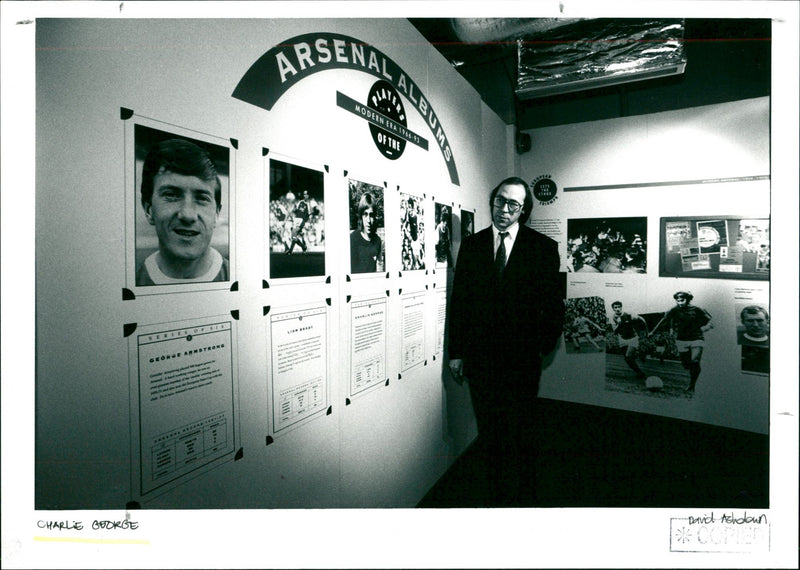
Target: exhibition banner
(294,59)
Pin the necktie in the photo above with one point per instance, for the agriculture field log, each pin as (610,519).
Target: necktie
(500,256)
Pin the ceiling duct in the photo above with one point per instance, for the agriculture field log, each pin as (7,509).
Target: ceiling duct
(598,53)
(488,30)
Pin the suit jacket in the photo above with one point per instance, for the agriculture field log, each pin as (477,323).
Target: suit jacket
(501,327)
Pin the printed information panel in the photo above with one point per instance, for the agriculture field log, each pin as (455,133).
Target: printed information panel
(367,344)
(299,355)
(441,319)
(186,402)
(413,342)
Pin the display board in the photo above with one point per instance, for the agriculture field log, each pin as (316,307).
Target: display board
(715,247)
(299,371)
(441,319)
(368,344)
(184,410)
(412,344)
(692,273)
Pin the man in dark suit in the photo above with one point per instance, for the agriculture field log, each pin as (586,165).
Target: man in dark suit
(506,314)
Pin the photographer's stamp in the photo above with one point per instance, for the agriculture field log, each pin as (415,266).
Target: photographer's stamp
(720,532)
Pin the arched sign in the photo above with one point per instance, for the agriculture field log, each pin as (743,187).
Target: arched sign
(294,59)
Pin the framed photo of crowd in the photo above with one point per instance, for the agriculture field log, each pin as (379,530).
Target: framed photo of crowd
(717,247)
(607,245)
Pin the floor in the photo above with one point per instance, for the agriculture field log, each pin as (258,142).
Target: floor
(598,457)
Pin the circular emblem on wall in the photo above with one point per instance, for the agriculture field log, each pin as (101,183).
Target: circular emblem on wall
(384,99)
(544,189)
(707,237)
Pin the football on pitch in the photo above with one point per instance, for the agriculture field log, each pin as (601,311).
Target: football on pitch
(653,383)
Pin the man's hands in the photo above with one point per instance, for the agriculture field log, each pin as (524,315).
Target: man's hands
(457,370)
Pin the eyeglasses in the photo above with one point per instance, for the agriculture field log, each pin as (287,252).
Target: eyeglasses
(513,205)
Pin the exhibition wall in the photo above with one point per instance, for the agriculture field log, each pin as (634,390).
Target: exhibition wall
(644,207)
(299,379)
(294,380)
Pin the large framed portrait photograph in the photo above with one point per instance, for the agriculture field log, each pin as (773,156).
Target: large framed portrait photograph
(715,247)
(367,227)
(296,219)
(178,220)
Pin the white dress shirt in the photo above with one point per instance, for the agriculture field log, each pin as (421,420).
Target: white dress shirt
(510,238)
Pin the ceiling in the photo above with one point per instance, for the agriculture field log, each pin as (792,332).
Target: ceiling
(726,60)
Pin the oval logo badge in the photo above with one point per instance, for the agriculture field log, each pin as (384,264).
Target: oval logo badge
(384,99)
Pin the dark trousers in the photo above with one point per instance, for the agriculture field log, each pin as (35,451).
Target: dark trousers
(506,414)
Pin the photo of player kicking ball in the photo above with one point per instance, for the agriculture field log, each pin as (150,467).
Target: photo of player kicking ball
(581,331)
(585,325)
(648,354)
(688,323)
